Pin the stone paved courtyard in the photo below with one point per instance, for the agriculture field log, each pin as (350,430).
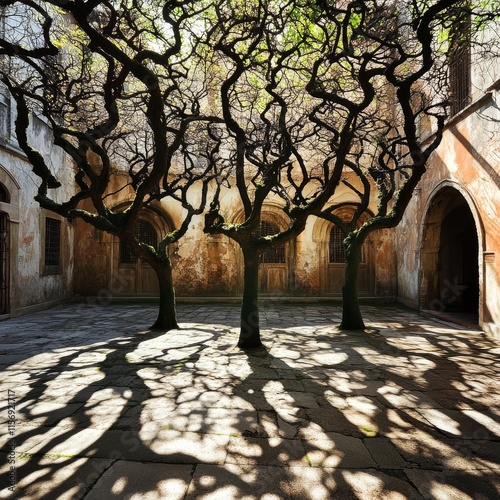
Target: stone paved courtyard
(106,409)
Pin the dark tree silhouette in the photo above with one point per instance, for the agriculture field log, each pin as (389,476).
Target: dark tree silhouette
(124,102)
(256,53)
(385,70)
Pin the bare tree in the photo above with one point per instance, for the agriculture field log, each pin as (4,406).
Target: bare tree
(264,116)
(387,73)
(301,96)
(116,85)
(317,94)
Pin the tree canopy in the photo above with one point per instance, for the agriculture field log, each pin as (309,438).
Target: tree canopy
(124,100)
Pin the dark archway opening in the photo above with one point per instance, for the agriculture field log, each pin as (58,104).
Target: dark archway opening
(458,262)
(450,258)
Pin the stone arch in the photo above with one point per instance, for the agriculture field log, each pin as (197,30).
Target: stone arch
(272,211)
(11,187)
(155,214)
(332,273)
(451,243)
(4,194)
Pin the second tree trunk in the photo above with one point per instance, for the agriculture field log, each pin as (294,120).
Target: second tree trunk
(250,329)
(167,318)
(351,312)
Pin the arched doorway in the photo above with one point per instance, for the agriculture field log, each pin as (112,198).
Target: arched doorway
(276,265)
(129,274)
(336,265)
(450,256)
(331,256)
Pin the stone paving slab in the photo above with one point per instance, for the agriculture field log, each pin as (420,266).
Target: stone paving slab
(106,408)
(276,483)
(452,485)
(145,481)
(50,477)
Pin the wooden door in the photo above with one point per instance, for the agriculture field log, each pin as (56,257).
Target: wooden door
(336,265)
(136,275)
(273,275)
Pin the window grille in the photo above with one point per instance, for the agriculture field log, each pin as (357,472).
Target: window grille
(4,264)
(52,243)
(275,255)
(336,246)
(460,66)
(145,233)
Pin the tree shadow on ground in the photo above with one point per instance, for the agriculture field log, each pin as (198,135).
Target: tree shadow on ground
(318,413)
(70,442)
(373,413)
(56,434)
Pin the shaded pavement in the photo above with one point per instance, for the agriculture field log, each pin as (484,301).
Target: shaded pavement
(105,408)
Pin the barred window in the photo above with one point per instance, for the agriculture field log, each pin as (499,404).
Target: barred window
(460,65)
(145,233)
(275,255)
(336,246)
(52,244)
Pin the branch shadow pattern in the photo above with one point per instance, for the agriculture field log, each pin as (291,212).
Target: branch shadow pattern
(408,408)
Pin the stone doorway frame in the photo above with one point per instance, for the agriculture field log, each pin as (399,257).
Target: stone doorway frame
(161,222)
(10,210)
(321,236)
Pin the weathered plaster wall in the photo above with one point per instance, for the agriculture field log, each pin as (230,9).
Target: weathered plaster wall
(211,265)
(385,259)
(30,286)
(204,265)
(311,249)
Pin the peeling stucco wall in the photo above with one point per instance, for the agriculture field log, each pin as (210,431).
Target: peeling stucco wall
(211,265)
(467,160)
(31,287)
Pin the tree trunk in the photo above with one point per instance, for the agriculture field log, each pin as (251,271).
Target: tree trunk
(351,313)
(250,331)
(167,318)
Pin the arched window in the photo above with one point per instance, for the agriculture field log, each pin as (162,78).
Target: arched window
(144,232)
(336,247)
(275,255)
